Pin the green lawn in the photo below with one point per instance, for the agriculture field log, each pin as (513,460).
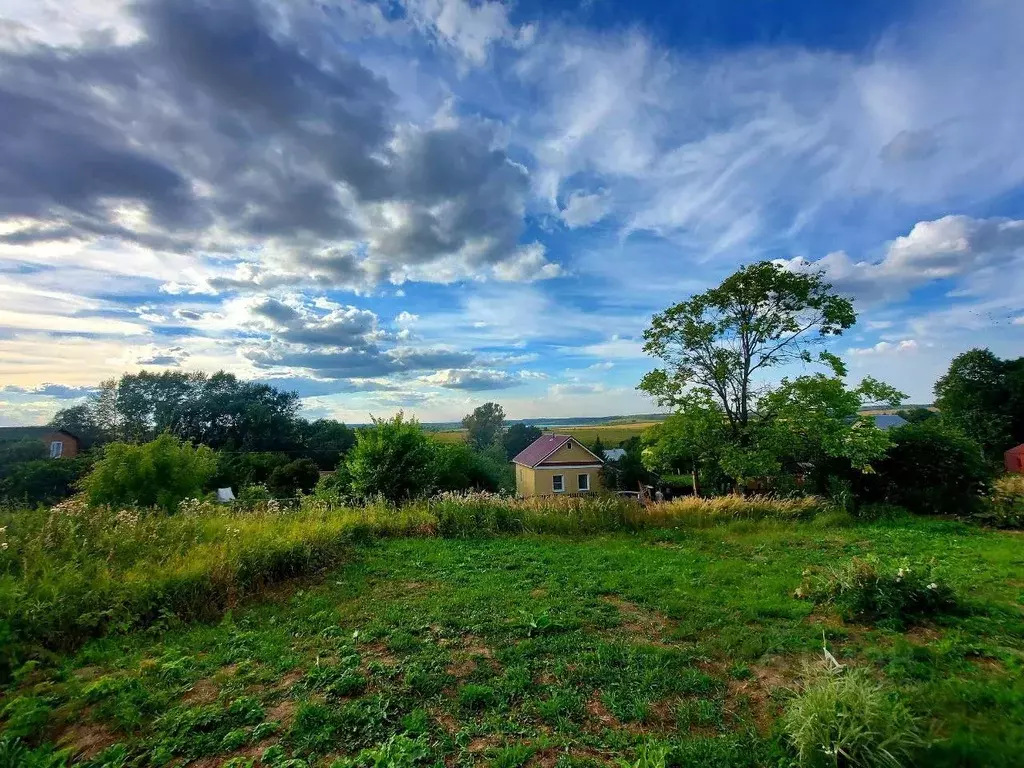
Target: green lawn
(543,650)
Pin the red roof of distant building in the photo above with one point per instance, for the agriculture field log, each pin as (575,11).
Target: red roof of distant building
(541,448)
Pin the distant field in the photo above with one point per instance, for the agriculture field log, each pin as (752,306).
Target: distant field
(611,435)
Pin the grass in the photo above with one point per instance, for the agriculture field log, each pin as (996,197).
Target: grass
(669,642)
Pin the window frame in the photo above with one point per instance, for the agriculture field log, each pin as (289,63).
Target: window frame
(561,484)
(56,449)
(583,476)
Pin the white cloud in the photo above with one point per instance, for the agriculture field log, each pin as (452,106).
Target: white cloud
(477,380)
(953,247)
(750,146)
(885,348)
(528,265)
(615,348)
(1018,320)
(469,28)
(582,210)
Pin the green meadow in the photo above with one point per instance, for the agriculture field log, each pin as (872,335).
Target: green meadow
(672,642)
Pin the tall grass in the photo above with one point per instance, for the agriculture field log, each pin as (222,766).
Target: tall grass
(73,570)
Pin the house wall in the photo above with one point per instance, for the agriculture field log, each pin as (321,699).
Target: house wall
(70,449)
(525,481)
(538,482)
(576,454)
(1014,459)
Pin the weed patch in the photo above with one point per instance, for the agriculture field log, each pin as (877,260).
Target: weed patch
(871,590)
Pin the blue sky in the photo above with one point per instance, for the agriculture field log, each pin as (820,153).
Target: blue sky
(428,204)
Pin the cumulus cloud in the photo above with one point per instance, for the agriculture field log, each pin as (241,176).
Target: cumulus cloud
(886,348)
(477,380)
(953,247)
(470,29)
(216,129)
(577,388)
(582,210)
(171,356)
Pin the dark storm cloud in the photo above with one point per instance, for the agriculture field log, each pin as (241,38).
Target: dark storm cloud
(230,134)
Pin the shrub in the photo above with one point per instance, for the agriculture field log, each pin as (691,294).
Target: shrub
(390,459)
(843,718)
(874,591)
(44,481)
(930,468)
(160,473)
(1005,507)
(295,477)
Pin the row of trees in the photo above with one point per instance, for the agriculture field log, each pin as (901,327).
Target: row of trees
(731,428)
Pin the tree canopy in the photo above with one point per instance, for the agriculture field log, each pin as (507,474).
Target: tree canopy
(716,342)
(983,396)
(518,436)
(486,425)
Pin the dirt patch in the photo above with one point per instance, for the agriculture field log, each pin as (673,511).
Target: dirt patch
(599,712)
(482,744)
(85,674)
(86,740)
(539,592)
(756,693)
(416,586)
(638,622)
(922,635)
(377,651)
(203,691)
(287,681)
(283,712)
(468,654)
(445,720)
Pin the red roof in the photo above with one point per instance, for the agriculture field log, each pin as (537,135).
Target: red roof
(541,448)
(1016,450)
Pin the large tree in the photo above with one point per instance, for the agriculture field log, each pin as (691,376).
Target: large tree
(719,341)
(983,396)
(518,436)
(485,425)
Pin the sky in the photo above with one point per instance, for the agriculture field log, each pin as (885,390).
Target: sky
(429,204)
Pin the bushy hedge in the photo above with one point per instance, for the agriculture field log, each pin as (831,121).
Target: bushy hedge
(930,468)
(160,473)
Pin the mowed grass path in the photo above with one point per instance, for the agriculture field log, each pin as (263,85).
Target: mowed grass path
(539,650)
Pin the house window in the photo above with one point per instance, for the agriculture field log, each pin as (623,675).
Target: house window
(558,483)
(584,482)
(56,449)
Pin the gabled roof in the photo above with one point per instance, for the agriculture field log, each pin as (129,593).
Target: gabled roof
(1015,450)
(888,420)
(8,434)
(544,446)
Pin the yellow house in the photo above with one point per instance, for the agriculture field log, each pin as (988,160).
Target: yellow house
(556,464)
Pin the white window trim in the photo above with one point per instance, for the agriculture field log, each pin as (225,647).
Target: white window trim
(56,449)
(583,476)
(561,479)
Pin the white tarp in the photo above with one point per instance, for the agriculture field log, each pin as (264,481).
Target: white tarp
(225,495)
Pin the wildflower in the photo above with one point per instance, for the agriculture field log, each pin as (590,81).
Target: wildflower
(3,546)
(933,585)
